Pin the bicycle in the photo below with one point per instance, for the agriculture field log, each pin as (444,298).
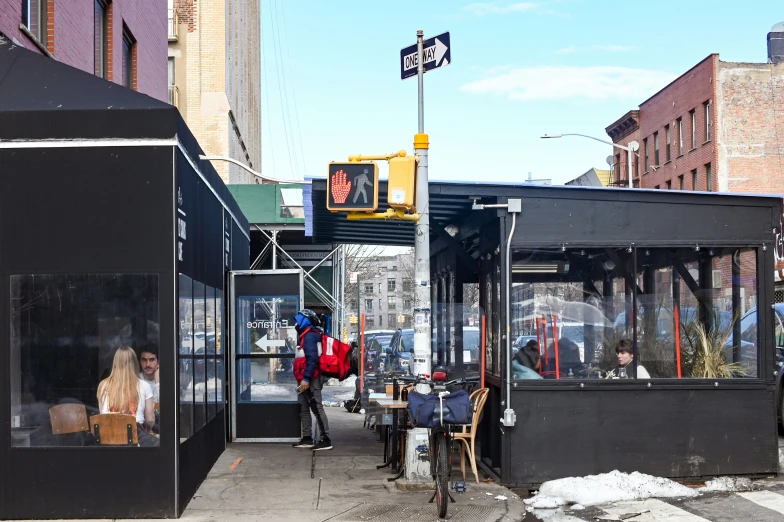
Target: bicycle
(440,440)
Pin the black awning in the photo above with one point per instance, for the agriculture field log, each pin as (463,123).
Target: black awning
(41,98)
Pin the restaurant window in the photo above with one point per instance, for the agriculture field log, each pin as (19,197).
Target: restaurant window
(693,118)
(65,332)
(694,179)
(656,149)
(667,155)
(680,136)
(391,284)
(211,388)
(220,353)
(128,59)
(708,178)
(35,18)
(101,38)
(368,305)
(199,346)
(658,313)
(706,107)
(645,152)
(185,356)
(391,300)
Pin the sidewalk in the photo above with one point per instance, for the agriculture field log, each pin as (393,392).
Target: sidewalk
(272,482)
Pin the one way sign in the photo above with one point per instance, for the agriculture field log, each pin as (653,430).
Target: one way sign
(437,54)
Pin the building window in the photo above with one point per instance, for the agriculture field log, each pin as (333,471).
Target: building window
(379,287)
(657,187)
(391,302)
(680,182)
(618,166)
(645,152)
(368,288)
(369,320)
(381,320)
(171,70)
(694,179)
(693,118)
(390,284)
(379,304)
(101,39)
(407,303)
(707,111)
(129,59)
(680,136)
(394,268)
(407,285)
(35,17)
(391,319)
(669,184)
(667,143)
(708,178)
(655,149)
(368,305)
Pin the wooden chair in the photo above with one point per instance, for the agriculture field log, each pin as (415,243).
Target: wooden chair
(68,418)
(114,429)
(467,437)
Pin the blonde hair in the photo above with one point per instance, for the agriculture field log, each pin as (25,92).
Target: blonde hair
(121,388)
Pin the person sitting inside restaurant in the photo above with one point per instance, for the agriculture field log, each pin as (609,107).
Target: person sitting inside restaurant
(527,362)
(125,393)
(148,360)
(624,351)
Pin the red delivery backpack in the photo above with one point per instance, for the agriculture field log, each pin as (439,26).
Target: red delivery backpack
(334,357)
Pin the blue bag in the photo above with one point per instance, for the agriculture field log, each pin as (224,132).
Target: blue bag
(425,410)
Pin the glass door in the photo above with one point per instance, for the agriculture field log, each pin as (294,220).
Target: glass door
(265,407)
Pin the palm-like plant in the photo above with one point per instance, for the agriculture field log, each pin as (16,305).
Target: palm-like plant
(705,354)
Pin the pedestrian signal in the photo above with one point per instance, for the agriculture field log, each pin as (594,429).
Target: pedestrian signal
(352,187)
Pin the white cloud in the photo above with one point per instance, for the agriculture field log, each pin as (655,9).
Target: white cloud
(566,50)
(614,48)
(559,83)
(485,8)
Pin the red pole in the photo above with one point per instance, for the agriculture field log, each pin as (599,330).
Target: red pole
(538,342)
(544,340)
(678,339)
(484,350)
(362,355)
(555,344)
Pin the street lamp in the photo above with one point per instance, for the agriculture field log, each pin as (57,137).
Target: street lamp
(631,148)
(257,174)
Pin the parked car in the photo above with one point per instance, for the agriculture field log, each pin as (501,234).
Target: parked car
(400,350)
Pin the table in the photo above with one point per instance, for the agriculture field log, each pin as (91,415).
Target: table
(377,396)
(396,406)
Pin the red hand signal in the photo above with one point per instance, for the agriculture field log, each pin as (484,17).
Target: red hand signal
(340,187)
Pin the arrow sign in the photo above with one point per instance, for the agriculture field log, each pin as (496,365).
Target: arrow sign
(437,54)
(265,344)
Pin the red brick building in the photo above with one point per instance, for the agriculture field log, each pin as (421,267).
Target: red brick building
(719,127)
(124,41)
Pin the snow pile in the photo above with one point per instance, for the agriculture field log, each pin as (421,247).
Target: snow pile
(615,486)
(727,484)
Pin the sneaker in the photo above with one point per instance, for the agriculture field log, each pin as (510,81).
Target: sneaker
(323,444)
(305,442)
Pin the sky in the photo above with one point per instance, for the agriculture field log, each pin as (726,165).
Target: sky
(331,78)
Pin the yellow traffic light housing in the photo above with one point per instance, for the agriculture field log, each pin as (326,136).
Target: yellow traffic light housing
(401,187)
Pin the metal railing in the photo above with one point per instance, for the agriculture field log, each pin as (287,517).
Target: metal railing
(173,26)
(174,95)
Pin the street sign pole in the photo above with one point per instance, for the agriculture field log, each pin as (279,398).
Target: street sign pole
(418,470)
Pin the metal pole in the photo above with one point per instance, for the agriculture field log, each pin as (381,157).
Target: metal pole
(274,249)
(342,325)
(422,304)
(417,470)
(629,155)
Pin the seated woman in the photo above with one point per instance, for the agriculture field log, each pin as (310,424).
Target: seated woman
(124,392)
(625,369)
(527,361)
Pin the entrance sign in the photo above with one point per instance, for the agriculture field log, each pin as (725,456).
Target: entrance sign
(352,187)
(437,52)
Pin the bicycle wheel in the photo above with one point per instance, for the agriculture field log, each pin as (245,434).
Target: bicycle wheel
(442,473)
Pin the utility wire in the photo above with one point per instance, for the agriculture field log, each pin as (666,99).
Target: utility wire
(278,70)
(293,90)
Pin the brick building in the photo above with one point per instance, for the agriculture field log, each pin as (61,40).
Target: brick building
(215,79)
(123,41)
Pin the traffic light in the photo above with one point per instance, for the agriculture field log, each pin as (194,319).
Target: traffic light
(401,188)
(352,187)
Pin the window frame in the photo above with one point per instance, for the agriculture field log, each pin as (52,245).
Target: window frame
(694,179)
(707,126)
(667,148)
(656,149)
(693,116)
(645,153)
(40,29)
(128,60)
(708,177)
(680,136)
(101,70)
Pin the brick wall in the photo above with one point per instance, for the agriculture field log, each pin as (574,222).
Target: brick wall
(751,113)
(71,40)
(686,93)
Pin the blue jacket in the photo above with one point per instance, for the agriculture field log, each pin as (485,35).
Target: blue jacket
(309,343)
